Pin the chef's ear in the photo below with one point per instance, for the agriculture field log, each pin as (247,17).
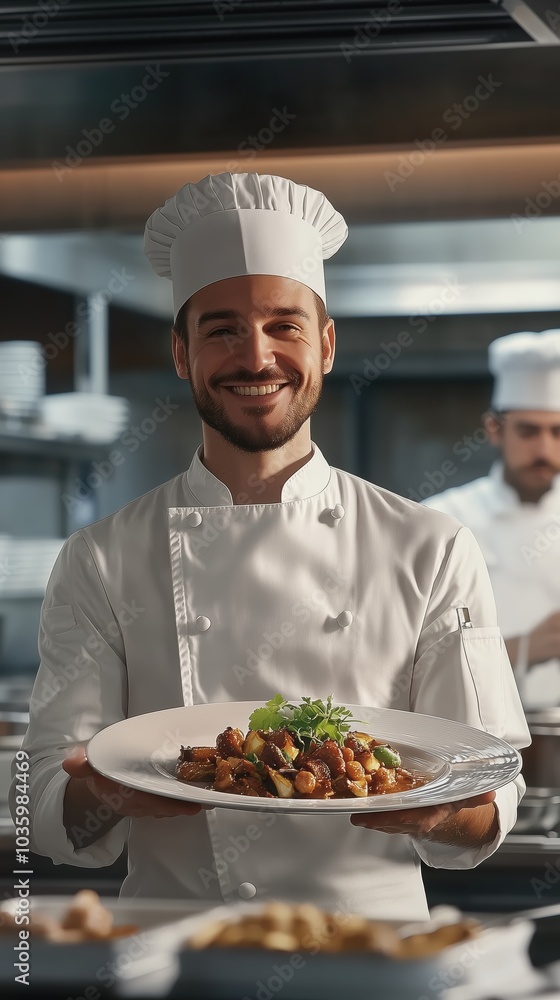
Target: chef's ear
(328,339)
(179,349)
(493,425)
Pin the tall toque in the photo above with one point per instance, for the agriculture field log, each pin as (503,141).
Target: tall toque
(228,225)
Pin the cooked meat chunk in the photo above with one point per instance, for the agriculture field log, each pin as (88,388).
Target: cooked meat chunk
(230,743)
(224,776)
(250,785)
(331,754)
(273,756)
(322,788)
(197,753)
(196,770)
(284,739)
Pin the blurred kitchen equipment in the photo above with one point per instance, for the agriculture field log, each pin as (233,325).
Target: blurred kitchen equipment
(22,378)
(26,564)
(541,760)
(89,415)
(538,812)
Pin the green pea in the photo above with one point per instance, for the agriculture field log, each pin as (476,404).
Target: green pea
(386,756)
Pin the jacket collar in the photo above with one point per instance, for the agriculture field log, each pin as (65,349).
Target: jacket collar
(505,498)
(312,478)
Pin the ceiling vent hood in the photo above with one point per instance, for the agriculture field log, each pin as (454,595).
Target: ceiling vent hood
(134,30)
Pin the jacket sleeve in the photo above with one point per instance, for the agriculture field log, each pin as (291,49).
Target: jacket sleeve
(80,688)
(466,675)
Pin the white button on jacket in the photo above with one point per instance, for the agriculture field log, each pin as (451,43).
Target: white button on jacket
(271,579)
(521,545)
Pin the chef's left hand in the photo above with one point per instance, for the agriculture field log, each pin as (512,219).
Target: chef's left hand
(451,822)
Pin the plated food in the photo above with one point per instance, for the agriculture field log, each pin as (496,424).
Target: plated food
(456,761)
(86,919)
(306,751)
(304,928)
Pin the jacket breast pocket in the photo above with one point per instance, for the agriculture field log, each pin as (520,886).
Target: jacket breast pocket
(58,620)
(485,655)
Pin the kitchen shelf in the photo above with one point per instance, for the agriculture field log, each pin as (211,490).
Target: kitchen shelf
(42,444)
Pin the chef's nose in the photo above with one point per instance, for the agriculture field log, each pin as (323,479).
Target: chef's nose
(254,348)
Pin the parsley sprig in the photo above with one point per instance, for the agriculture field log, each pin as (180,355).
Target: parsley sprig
(312,720)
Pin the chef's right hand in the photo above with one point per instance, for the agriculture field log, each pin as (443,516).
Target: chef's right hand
(121,800)
(544,640)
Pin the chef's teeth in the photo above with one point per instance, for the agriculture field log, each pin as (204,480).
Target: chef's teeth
(254,390)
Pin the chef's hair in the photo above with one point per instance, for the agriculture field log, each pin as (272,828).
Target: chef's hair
(180,325)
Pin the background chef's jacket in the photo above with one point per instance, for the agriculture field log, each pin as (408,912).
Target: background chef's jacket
(521,546)
(182,597)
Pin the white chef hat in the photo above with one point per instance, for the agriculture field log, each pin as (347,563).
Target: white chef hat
(232,224)
(526,367)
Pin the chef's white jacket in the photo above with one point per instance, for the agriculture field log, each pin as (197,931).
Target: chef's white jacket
(521,546)
(182,597)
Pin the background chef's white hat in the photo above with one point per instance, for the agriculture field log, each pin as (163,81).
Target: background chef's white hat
(527,371)
(232,224)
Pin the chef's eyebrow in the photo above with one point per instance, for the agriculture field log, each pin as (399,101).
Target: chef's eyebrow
(268,311)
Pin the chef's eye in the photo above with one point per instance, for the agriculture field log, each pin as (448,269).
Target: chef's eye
(220,332)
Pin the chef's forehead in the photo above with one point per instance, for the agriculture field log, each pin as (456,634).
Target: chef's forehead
(248,296)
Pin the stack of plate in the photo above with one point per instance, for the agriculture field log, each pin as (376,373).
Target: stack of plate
(26,564)
(88,415)
(22,377)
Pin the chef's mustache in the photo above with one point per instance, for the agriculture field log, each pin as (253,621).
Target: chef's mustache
(254,378)
(541,463)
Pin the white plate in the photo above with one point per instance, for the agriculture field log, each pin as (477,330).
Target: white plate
(462,762)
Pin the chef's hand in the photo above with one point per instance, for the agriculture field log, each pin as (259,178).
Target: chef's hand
(469,823)
(122,801)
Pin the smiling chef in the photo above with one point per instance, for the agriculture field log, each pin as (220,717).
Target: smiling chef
(258,570)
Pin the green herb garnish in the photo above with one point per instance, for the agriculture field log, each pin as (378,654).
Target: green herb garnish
(253,759)
(313,720)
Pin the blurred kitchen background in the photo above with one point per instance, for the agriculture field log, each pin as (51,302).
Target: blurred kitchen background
(433,127)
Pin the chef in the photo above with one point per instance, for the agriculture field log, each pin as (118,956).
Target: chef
(261,569)
(514,512)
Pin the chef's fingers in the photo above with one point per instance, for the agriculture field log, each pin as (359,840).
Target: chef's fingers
(76,764)
(414,822)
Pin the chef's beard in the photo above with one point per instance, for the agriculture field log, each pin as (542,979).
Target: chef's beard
(257,436)
(524,483)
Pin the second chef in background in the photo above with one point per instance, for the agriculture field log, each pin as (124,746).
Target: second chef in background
(514,512)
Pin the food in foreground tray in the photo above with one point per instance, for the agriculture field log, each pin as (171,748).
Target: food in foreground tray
(86,919)
(305,928)
(306,751)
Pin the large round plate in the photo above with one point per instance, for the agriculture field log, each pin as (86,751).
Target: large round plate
(460,761)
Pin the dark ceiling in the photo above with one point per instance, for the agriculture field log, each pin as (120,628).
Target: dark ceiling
(340,74)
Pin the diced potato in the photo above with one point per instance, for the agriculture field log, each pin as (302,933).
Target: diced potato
(283,786)
(359,787)
(253,743)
